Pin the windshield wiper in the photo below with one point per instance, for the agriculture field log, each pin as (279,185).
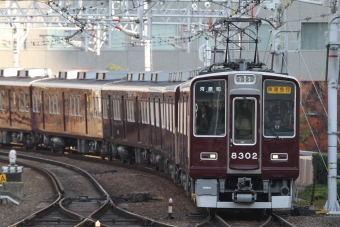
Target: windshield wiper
(272,131)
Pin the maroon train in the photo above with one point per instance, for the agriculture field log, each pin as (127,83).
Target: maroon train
(213,133)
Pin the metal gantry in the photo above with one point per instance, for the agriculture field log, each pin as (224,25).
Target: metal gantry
(128,16)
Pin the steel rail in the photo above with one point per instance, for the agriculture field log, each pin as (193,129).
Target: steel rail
(89,218)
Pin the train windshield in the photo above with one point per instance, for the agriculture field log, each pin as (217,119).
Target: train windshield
(209,106)
(279,109)
(244,121)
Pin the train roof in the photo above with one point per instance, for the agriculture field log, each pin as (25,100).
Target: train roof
(23,77)
(83,79)
(212,74)
(153,81)
(142,86)
(73,83)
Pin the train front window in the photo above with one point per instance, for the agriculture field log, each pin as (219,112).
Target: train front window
(244,121)
(279,109)
(209,108)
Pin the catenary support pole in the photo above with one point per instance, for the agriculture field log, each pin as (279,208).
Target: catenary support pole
(332,81)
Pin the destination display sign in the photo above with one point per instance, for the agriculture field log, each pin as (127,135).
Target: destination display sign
(284,90)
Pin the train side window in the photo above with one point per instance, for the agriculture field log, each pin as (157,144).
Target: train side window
(72,105)
(35,104)
(167,114)
(127,113)
(116,107)
(162,114)
(152,112)
(148,111)
(105,108)
(23,102)
(179,116)
(2,100)
(185,117)
(75,105)
(53,101)
(172,117)
(142,111)
(94,107)
(56,104)
(78,110)
(130,110)
(157,112)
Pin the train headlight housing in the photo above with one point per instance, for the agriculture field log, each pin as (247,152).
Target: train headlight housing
(209,156)
(245,79)
(279,156)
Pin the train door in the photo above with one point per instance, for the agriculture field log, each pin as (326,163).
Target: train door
(152,122)
(86,114)
(109,112)
(244,146)
(180,133)
(158,131)
(64,110)
(43,108)
(11,106)
(182,129)
(137,114)
(123,114)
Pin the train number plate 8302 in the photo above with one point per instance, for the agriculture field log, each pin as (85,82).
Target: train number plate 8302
(244,155)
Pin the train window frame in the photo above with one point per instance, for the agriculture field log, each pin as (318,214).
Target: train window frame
(152,111)
(264,126)
(220,130)
(130,110)
(53,100)
(179,113)
(142,110)
(167,114)
(105,108)
(185,106)
(23,102)
(2,100)
(75,108)
(157,112)
(162,106)
(244,141)
(35,102)
(116,109)
(171,116)
(96,104)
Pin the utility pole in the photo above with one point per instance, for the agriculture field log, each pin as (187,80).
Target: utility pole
(332,80)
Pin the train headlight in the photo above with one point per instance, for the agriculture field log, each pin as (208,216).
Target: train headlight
(209,156)
(279,156)
(245,79)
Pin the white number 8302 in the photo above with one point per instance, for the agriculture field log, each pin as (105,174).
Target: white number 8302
(242,155)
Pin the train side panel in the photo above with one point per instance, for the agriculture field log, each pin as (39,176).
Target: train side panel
(15,113)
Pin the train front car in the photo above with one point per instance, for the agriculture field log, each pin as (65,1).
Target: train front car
(244,145)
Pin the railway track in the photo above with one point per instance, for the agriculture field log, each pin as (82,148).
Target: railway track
(68,209)
(252,219)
